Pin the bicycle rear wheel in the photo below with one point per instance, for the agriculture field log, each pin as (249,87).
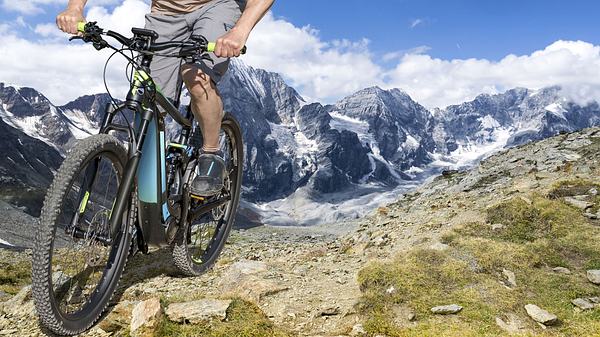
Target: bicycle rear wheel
(77,258)
(199,243)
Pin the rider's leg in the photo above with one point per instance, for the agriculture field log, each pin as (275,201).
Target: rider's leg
(211,21)
(208,110)
(206,105)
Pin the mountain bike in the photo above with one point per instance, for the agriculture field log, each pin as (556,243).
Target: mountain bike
(126,189)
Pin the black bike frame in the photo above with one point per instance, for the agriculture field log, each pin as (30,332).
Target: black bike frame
(147,159)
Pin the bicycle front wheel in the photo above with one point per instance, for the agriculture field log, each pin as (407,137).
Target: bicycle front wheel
(199,244)
(77,258)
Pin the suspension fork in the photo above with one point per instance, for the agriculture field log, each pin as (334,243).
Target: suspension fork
(123,195)
(91,172)
(84,193)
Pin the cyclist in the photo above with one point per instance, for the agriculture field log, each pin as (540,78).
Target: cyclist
(229,22)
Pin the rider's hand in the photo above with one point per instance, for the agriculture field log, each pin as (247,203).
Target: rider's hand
(231,44)
(67,21)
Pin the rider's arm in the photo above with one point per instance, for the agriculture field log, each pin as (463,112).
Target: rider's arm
(73,14)
(230,44)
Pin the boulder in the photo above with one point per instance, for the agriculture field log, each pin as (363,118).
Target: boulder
(447,309)
(246,279)
(198,311)
(119,317)
(145,317)
(540,315)
(561,270)
(581,204)
(583,303)
(594,276)
(511,278)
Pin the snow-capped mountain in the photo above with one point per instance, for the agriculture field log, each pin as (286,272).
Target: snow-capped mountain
(490,122)
(31,112)
(27,166)
(309,163)
(35,135)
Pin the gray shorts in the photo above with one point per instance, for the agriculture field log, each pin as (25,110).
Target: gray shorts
(211,20)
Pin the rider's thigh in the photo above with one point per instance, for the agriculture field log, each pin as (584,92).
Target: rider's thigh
(212,22)
(164,69)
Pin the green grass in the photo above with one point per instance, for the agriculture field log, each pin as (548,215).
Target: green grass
(536,237)
(570,188)
(14,275)
(244,319)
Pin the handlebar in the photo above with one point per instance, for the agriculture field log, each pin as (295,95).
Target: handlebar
(92,33)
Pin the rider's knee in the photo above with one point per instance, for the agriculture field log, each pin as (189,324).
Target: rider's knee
(197,82)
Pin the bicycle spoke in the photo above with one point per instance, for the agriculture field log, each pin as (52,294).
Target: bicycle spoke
(78,267)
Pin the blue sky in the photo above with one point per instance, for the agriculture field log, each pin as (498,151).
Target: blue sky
(451,28)
(439,52)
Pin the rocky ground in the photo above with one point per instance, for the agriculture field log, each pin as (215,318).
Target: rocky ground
(443,259)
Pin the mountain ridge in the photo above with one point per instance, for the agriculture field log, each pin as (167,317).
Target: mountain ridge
(373,139)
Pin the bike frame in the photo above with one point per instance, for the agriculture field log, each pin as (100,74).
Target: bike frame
(147,156)
(146,164)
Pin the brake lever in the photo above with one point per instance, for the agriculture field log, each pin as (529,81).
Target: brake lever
(99,45)
(196,58)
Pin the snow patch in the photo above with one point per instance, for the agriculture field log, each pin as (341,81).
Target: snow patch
(79,123)
(342,122)
(361,128)
(413,169)
(488,122)
(557,109)
(31,125)
(294,144)
(249,80)
(305,145)
(410,144)
(6,243)
(470,153)
(301,209)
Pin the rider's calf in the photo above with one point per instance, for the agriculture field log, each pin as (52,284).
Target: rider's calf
(206,104)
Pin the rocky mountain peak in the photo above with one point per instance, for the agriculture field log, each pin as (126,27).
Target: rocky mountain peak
(23,101)
(268,90)
(372,138)
(376,101)
(92,105)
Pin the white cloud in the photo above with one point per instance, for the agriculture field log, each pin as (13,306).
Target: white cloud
(64,71)
(20,21)
(396,55)
(33,7)
(575,65)
(318,69)
(414,23)
(321,70)
(49,30)
(129,14)
(327,71)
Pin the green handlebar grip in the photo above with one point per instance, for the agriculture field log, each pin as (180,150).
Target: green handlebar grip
(81,27)
(210,47)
